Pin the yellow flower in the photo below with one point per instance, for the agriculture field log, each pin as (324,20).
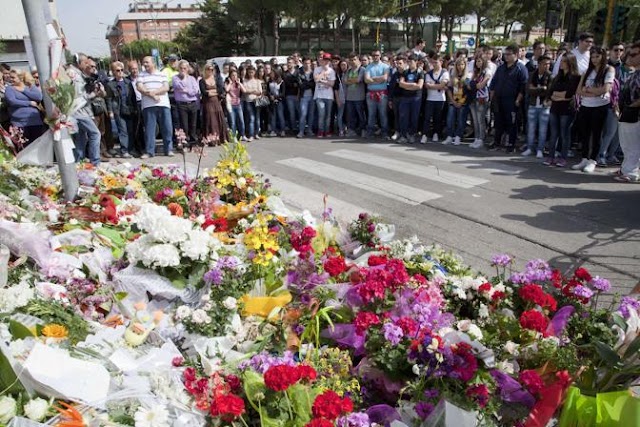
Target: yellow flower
(178,193)
(54,330)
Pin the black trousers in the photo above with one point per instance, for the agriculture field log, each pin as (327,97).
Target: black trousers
(590,122)
(188,113)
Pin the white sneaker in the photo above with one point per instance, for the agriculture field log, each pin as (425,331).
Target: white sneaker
(591,167)
(580,165)
(477,143)
(527,152)
(457,141)
(424,139)
(395,136)
(449,140)
(435,137)
(539,154)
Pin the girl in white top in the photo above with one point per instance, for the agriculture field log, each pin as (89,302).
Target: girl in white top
(252,89)
(595,96)
(480,77)
(435,81)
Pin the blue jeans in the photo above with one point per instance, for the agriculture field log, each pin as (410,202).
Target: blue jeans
(409,113)
(610,140)
(324,114)
(277,117)
(378,109)
(292,110)
(151,117)
(433,109)
(355,116)
(537,117)
(457,117)
(87,132)
(250,115)
(560,131)
(307,108)
(340,117)
(125,128)
(236,121)
(479,115)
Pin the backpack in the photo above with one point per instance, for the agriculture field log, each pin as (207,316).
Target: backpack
(615,93)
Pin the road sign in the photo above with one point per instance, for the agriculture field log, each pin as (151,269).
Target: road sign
(155,52)
(471,41)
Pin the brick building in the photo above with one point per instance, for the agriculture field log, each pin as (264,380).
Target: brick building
(149,20)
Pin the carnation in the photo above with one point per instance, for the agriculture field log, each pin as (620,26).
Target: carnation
(532,380)
(281,377)
(330,405)
(335,266)
(534,320)
(364,320)
(228,406)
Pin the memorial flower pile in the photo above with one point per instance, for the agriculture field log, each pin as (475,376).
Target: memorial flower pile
(162,298)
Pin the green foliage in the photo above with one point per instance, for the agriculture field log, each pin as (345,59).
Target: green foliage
(141,48)
(53,312)
(550,42)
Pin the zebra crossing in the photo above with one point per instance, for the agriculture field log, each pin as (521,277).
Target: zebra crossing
(328,170)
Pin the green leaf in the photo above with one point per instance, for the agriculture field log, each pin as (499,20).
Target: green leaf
(301,402)
(19,331)
(115,236)
(608,355)
(633,348)
(9,382)
(120,296)
(253,385)
(267,421)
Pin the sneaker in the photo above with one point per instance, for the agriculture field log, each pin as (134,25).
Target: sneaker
(250,139)
(549,161)
(539,154)
(447,141)
(272,134)
(477,144)
(602,162)
(591,167)
(457,141)
(170,154)
(435,137)
(614,161)
(561,163)
(299,136)
(412,139)
(257,136)
(125,156)
(244,139)
(402,140)
(283,134)
(580,165)
(424,139)
(395,136)
(145,156)
(627,179)
(527,152)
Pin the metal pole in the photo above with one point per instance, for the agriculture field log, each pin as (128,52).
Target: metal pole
(611,4)
(34,14)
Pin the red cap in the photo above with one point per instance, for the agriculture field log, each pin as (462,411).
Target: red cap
(326,56)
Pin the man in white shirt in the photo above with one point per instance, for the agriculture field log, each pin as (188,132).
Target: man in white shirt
(585,41)
(153,85)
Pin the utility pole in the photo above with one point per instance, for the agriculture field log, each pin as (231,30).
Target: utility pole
(34,14)
(611,5)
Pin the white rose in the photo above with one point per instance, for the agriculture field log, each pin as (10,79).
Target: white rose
(230,303)
(416,370)
(199,316)
(36,409)
(506,367)
(511,348)
(182,312)
(483,311)
(7,409)
(242,182)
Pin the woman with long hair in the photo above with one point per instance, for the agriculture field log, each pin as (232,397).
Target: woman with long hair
(457,92)
(253,89)
(595,96)
(340,89)
(276,96)
(23,100)
(262,113)
(213,119)
(235,89)
(561,93)
(480,78)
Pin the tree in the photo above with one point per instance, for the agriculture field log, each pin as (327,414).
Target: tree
(451,13)
(218,32)
(138,49)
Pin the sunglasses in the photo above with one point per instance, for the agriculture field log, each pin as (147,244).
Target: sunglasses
(118,70)
(618,50)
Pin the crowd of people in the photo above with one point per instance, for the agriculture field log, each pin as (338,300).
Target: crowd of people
(556,102)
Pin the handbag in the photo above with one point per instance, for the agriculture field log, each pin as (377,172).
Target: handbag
(262,101)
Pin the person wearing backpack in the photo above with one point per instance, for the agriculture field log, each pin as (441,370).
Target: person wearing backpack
(595,99)
(629,125)
(435,81)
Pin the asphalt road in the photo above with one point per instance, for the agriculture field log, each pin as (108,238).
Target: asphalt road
(475,202)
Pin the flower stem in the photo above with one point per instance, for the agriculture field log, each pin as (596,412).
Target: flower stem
(286,395)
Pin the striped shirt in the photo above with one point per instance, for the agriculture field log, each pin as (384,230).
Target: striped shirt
(153,82)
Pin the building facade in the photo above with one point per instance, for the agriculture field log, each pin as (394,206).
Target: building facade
(150,21)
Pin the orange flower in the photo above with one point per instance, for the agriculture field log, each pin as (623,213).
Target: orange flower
(70,417)
(53,330)
(175,209)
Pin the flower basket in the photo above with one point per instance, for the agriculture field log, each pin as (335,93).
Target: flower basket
(612,409)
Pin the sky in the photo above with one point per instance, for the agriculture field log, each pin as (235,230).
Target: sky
(80,20)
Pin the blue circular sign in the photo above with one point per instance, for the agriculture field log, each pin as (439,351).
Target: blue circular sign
(471,41)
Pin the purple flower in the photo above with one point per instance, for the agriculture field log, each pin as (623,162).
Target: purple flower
(628,304)
(582,292)
(501,260)
(392,333)
(602,285)
(431,393)
(261,362)
(213,276)
(424,409)
(228,262)
(357,419)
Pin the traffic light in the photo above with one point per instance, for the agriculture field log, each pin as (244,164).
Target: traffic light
(620,19)
(600,21)
(554,5)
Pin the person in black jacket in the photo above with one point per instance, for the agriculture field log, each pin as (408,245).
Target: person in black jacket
(292,92)
(307,106)
(122,107)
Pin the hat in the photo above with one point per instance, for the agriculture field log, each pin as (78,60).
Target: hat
(173,57)
(326,56)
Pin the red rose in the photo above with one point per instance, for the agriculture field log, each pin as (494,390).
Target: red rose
(531,380)
(281,377)
(583,274)
(497,295)
(330,405)
(319,422)
(485,287)
(228,406)
(534,320)
(335,266)
(233,381)
(307,373)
